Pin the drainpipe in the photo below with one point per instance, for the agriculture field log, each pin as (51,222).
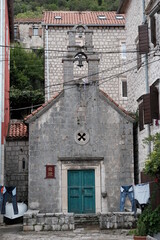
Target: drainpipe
(48,89)
(1,79)
(146,76)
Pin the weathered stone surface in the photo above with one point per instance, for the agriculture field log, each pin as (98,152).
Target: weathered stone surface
(15,175)
(105,221)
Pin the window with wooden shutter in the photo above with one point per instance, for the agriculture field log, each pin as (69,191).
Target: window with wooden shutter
(143,39)
(139,59)
(40,32)
(147,109)
(141,119)
(153,30)
(30,32)
(154,100)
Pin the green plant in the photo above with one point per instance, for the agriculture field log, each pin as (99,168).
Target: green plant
(141,229)
(148,222)
(152,165)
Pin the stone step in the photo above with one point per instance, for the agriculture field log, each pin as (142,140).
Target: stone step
(82,220)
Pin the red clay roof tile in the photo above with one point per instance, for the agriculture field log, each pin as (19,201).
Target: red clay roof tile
(41,107)
(88,18)
(17,130)
(117,105)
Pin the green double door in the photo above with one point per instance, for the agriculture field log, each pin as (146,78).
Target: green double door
(81,191)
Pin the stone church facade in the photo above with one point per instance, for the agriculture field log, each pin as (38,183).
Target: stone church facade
(108,40)
(80,142)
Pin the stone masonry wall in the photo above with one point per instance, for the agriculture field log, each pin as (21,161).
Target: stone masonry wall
(136,77)
(25,39)
(105,39)
(35,221)
(52,137)
(16,167)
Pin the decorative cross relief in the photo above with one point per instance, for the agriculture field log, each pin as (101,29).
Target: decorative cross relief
(81,137)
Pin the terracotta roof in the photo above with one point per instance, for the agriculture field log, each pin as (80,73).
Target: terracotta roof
(117,105)
(42,107)
(17,130)
(88,18)
(27,20)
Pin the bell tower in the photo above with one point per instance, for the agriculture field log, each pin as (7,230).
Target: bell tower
(80,52)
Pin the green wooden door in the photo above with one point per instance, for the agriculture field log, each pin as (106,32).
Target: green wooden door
(81,191)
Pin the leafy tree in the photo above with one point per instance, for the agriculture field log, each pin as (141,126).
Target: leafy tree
(152,165)
(27,80)
(34,8)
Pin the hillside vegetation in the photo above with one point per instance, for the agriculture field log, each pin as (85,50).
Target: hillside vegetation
(34,8)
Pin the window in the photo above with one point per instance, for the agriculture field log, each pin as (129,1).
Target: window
(58,17)
(139,58)
(35,31)
(102,17)
(153,30)
(119,17)
(16,33)
(143,39)
(124,88)
(149,107)
(123,50)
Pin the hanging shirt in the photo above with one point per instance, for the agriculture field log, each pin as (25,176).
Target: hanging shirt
(142,193)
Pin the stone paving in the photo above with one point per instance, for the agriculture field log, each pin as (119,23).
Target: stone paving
(15,232)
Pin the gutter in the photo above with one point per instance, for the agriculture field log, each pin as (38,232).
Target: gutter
(146,75)
(48,87)
(155,10)
(88,25)
(1,76)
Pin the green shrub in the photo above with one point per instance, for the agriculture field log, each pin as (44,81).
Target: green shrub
(149,222)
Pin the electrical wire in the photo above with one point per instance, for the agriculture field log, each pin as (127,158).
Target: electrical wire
(108,79)
(66,51)
(99,72)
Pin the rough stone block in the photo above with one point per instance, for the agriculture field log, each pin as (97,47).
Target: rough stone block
(47,227)
(54,220)
(38,228)
(56,227)
(28,228)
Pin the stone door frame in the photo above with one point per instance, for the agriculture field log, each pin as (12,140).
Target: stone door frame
(80,164)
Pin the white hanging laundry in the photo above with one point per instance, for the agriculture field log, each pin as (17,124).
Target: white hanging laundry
(142,193)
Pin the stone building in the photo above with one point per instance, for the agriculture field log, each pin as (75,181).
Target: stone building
(16,159)
(108,41)
(80,142)
(143,31)
(29,32)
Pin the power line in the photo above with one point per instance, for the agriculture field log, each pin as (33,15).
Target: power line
(81,78)
(108,79)
(66,51)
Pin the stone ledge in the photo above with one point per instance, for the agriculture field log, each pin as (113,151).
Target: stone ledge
(35,221)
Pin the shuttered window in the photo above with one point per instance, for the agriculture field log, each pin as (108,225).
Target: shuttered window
(141,119)
(154,100)
(30,32)
(153,30)
(139,60)
(40,32)
(147,109)
(143,39)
